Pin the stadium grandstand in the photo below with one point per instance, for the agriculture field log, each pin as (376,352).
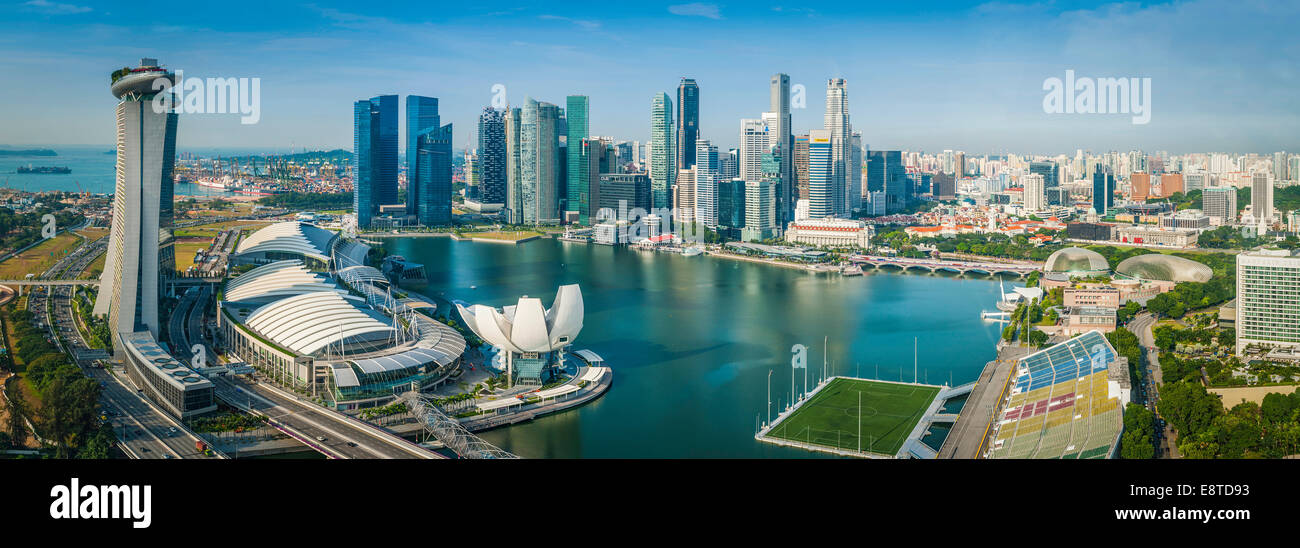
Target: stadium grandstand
(1066,401)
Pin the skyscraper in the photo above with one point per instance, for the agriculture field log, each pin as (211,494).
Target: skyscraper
(539,161)
(855,172)
(1103,190)
(421,117)
(1047,170)
(1035,192)
(886,173)
(754,142)
(688,121)
(821,195)
(514,208)
(492,156)
(432,198)
(374,147)
(662,167)
(837,122)
(141,253)
(779,103)
(707,174)
(684,196)
(1261,197)
(799,169)
(578,173)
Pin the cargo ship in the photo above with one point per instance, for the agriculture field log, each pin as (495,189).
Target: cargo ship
(44,170)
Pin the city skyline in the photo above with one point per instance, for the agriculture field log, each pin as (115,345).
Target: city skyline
(959,76)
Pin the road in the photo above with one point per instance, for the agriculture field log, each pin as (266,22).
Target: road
(146,431)
(1141,326)
(345,438)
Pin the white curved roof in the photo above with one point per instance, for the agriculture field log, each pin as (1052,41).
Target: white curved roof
(307,323)
(361,273)
(526,327)
(1075,259)
(290,237)
(277,279)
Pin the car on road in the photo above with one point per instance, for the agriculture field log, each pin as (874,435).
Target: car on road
(144,449)
(352,444)
(320,438)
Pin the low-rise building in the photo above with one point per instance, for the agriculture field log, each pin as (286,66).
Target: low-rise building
(1148,235)
(1092,295)
(1082,319)
(830,232)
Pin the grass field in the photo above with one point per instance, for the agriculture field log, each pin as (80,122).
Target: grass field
(39,258)
(888,411)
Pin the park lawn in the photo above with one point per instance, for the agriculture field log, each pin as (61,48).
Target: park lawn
(889,412)
(39,258)
(95,268)
(510,236)
(185,250)
(211,230)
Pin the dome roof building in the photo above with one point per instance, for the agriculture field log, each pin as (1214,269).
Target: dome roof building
(1158,266)
(1076,260)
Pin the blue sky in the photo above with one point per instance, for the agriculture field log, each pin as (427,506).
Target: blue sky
(921,76)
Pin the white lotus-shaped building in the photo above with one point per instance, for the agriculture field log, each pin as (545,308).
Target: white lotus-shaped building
(527,327)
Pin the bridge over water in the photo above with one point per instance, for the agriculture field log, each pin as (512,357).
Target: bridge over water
(937,265)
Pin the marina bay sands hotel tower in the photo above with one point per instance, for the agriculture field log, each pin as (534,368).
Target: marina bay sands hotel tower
(140,254)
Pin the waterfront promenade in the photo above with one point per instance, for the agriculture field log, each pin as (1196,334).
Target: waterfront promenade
(967,438)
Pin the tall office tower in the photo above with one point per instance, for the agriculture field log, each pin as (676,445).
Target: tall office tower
(1220,205)
(959,164)
(1035,192)
(779,103)
(688,122)
(1103,190)
(141,253)
(1171,183)
(1195,181)
(1293,167)
(577,173)
(473,175)
(855,172)
(799,167)
(947,163)
(760,201)
(601,157)
(837,122)
(374,144)
(539,162)
(662,167)
(1279,166)
(1047,170)
(624,153)
(684,196)
(623,192)
(421,117)
(1267,284)
(1261,197)
(707,174)
(432,198)
(514,208)
(754,142)
(820,194)
(492,156)
(731,206)
(729,164)
(886,173)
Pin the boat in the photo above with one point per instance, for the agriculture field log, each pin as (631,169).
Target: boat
(44,170)
(691,251)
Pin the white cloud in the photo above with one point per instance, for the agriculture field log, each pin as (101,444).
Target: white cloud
(584,23)
(696,9)
(54,8)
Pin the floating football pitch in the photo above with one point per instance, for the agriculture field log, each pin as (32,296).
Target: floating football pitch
(889,411)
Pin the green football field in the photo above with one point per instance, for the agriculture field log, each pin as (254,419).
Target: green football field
(889,412)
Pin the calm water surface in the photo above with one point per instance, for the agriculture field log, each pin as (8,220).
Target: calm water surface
(691,339)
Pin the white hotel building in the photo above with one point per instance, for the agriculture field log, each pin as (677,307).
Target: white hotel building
(1268,299)
(831,232)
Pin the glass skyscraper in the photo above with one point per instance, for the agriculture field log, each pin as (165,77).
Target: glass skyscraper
(1103,190)
(514,208)
(421,117)
(662,167)
(821,195)
(539,162)
(578,173)
(374,147)
(492,156)
(433,168)
(688,122)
